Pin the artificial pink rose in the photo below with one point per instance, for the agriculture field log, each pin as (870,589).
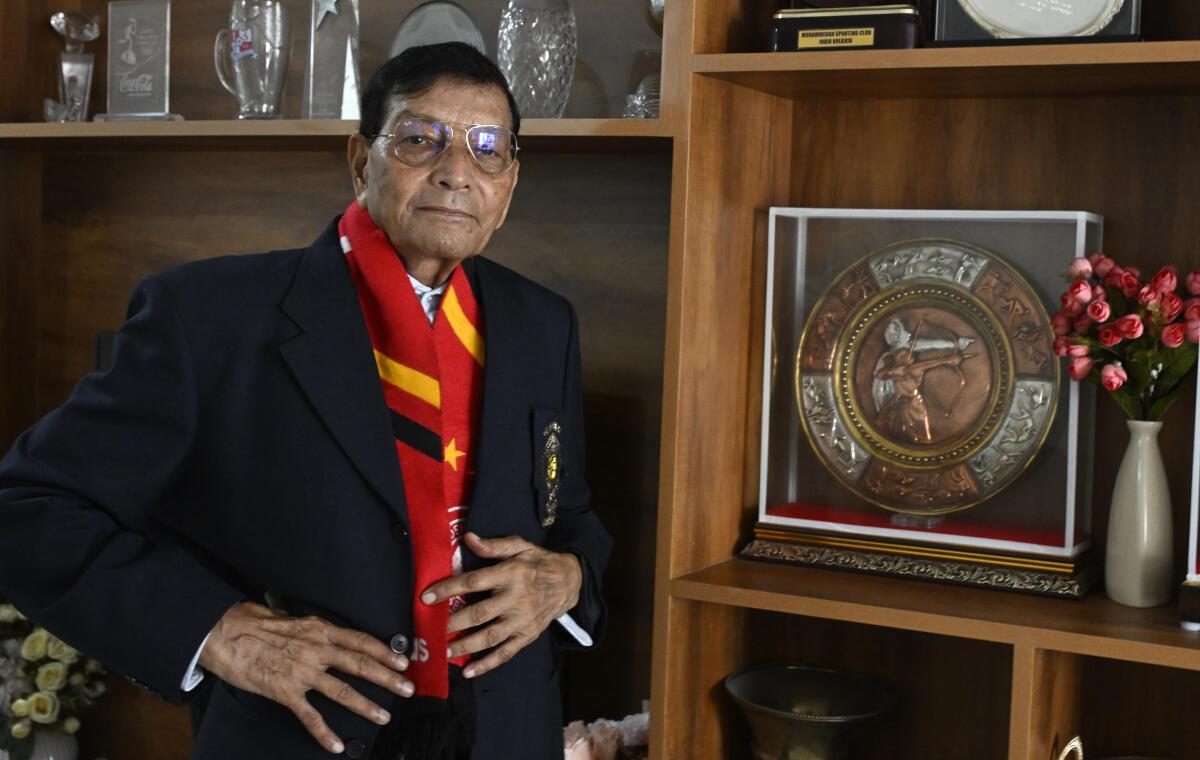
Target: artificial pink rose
(1166,280)
(1062,344)
(1173,335)
(1069,305)
(1099,311)
(1078,349)
(1113,278)
(1193,331)
(1109,336)
(1079,367)
(1099,293)
(1135,271)
(1080,290)
(1061,322)
(1079,268)
(1148,295)
(1103,265)
(1193,282)
(1169,307)
(1094,257)
(1191,309)
(1130,326)
(1113,376)
(1129,283)
(1082,323)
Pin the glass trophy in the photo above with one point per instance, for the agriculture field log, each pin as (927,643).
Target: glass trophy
(331,87)
(74,67)
(139,55)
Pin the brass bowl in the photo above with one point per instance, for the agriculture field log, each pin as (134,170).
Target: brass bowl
(797,712)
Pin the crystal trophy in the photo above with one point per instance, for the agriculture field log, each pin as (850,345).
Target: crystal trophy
(74,67)
(139,56)
(331,87)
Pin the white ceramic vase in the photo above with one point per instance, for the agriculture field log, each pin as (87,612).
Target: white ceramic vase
(1137,567)
(50,745)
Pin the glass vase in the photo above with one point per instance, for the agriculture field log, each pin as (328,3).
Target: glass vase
(536,49)
(49,745)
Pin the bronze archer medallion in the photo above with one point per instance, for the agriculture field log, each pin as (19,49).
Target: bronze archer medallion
(925,377)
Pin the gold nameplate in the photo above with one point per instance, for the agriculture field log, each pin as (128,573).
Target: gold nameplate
(836,38)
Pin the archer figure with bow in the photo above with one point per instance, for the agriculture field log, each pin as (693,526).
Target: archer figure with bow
(900,377)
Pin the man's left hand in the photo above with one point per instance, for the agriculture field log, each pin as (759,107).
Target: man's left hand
(530,587)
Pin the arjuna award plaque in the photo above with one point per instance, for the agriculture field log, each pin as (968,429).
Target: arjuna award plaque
(926,377)
(916,420)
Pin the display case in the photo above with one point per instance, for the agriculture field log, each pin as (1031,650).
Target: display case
(1189,595)
(916,420)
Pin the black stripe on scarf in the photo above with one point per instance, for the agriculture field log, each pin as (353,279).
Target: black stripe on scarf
(416,436)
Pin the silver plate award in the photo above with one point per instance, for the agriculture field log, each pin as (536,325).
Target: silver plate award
(1042,18)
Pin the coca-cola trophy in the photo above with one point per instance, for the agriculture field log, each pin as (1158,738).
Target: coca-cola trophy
(139,60)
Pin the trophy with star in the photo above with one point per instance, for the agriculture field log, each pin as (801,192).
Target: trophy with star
(331,86)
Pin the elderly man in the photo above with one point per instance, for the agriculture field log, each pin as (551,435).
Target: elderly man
(333,497)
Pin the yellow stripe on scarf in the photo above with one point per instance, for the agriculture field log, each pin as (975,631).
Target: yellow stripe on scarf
(466,332)
(410,380)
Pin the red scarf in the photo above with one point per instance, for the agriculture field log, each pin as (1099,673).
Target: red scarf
(433,383)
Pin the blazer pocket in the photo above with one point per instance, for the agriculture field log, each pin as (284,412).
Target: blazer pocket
(547,462)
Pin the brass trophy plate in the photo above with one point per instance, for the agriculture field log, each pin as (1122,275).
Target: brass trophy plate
(925,377)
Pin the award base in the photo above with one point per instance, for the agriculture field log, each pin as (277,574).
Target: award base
(137,117)
(1069,578)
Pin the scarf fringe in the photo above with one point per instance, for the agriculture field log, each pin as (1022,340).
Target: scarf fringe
(427,728)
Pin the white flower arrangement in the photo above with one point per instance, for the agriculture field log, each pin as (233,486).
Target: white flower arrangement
(45,683)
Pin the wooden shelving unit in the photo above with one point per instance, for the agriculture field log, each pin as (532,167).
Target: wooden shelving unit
(1096,69)
(1112,128)
(1094,627)
(293,129)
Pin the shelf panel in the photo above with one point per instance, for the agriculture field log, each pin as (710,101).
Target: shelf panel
(1094,626)
(1017,70)
(295,130)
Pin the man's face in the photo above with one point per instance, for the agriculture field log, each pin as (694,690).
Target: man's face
(446,209)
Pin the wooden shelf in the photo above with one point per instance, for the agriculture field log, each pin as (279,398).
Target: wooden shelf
(1079,69)
(1094,626)
(295,131)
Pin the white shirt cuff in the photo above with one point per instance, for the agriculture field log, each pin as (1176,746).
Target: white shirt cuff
(566,621)
(194,675)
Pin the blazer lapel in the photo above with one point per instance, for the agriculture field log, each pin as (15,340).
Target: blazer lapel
(501,378)
(333,361)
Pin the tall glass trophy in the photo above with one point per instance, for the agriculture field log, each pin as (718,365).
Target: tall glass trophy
(74,67)
(139,60)
(331,87)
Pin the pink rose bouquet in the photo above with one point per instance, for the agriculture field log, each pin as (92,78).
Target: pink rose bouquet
(1136,338)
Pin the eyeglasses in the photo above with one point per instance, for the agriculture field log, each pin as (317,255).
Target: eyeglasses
(418,141)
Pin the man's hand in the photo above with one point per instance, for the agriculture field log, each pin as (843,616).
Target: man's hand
(530,588)
(282,658)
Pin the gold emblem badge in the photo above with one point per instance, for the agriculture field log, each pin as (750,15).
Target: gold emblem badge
(550,451)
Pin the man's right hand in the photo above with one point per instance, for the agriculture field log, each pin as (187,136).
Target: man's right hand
(282,658)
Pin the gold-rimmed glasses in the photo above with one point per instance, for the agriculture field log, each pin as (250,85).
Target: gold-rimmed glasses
(416,141)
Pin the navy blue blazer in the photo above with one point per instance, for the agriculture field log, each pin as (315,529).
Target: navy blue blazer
(241,444)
